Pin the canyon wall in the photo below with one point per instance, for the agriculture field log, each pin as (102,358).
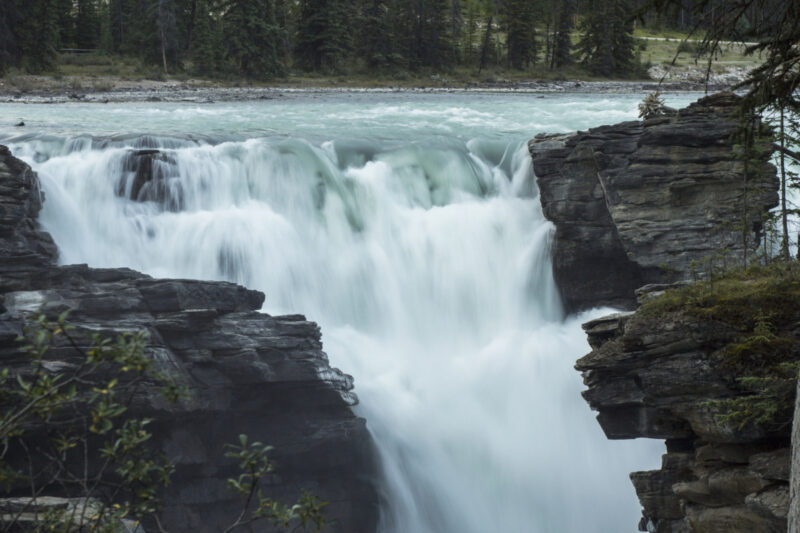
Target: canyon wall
(636,203)
(647,206)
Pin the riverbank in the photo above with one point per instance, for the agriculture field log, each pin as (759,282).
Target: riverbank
(200,92)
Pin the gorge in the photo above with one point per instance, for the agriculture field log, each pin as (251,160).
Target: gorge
(412,230)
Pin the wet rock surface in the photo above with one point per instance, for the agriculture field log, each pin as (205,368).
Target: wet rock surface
(651,375)
(246,372)
(635,203)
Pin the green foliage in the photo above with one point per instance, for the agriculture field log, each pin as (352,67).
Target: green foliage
(255,465)
(82,406)
(519,19)
(606,45)
(562,42)
(769,401)
(37,33)
(252,38)
(738,297)
(323,34)
(204,43)
(66,427)
(760,306)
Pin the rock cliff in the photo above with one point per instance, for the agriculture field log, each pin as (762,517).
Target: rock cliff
(661,373)
(635,203)
(246,372)
(640,208)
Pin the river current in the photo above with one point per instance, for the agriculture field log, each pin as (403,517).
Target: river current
(409,227)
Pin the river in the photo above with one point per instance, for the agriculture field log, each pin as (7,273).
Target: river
(409,227)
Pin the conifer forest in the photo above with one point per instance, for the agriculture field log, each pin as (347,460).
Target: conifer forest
(265,39)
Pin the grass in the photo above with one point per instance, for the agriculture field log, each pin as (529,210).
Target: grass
(97,71)
(738,297)
(761,307)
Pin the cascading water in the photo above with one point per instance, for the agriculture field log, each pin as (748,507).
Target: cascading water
(422,253)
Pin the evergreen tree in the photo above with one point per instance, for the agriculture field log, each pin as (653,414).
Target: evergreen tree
(375,38)
(562,44)
(471,33)
(488,49)
(252,37)
(37,33)
(87,24)
(167,31)
(106,42)
(323,34)
(9,54)
(606,45)
(519,20)
(202,52)
(66,23)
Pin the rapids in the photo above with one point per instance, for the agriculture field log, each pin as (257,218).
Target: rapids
(409,228)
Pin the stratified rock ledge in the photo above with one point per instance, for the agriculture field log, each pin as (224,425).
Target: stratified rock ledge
(635,203)
(651,375)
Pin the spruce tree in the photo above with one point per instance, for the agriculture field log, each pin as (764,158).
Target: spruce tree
(202,54)
(562,43)
(87,24)
(375,38)
(166,24)
(606,44)
(66,23)
(519,21)
(9,54)
(252,37)
(37,33)
(323,34)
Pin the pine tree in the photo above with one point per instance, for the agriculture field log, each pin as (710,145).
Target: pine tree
(37,33)
(252,37)
(87,24)
(9,54)
(202,52)
(167,30)
(375,38)
(519,20)
(106,42)
(66,23)
(471,34)
(323,34)
(606,45)
(562,43)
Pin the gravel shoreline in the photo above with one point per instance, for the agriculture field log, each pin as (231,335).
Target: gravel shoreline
(181,92)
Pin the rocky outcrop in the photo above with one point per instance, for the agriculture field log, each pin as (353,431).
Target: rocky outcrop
(637,202)
(245,371)
(655,375)
(794,490)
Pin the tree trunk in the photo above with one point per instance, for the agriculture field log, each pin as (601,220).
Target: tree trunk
(486,41)
(784,214)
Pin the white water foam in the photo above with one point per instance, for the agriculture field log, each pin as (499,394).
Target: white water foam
(427,266)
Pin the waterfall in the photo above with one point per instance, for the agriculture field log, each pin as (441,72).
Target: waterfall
(426,263)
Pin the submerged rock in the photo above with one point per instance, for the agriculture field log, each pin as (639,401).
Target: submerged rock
(637,202)
(245,371)
(151,175)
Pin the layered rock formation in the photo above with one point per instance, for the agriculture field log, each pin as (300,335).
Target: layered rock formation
(649,203)
(652,375)
(794,489)
(637,202)
(246,372)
